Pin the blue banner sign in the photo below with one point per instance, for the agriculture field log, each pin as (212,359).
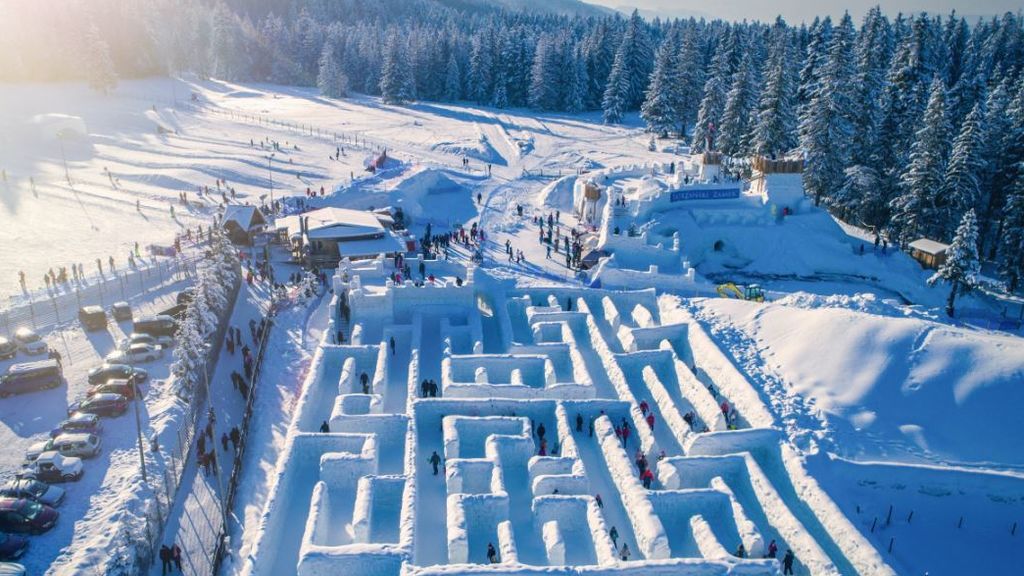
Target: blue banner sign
(705,194)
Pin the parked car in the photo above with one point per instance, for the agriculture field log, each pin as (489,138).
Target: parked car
(78,444)
(12,568)
(92,318)
(122,387)
(24,516)
(29,342)
(11,548)
(121,311)
(136,338)
(34,450)
(160,325)
(136,353)
(78,422)
(29,488)
(52,467)
(106,405)
(31,376)
(8,349)
(108,371)
(186,296)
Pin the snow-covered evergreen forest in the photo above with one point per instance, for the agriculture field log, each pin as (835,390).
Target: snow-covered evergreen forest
(906,122)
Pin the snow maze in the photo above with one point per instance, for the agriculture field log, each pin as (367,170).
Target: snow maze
(363,499)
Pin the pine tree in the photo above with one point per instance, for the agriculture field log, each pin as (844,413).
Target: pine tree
(862,198)
(630,71)
(691,80)
(775,121)
(825,129)
(480,68)
(331,81)
(960,190)
(738,105)
(814,62)
(544,75)
(576,92)
(873,52)
(99,67)
(713,100)
(1011,243)
(661,106)
(452,79)
(914,210)
(962,265)
(396,77)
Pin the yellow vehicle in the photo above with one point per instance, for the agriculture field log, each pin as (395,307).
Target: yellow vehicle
(753,293)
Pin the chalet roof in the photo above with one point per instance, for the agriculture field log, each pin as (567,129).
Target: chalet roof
(929,246)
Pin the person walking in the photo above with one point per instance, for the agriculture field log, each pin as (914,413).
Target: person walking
(787,562)
(492,554)
(434,460)
(741,552)
(236,437)
(324,428)
(224,441)
(392,342)
(625,553)
(579,423)
(176,556)
(614,535)
(165,559)
(773,549)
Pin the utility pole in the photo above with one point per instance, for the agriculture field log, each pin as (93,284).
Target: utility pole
(138,420)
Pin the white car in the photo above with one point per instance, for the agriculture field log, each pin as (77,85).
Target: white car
(29,342)
(136,353)
(77,444)
(33,451)
(53,467)
(163,342)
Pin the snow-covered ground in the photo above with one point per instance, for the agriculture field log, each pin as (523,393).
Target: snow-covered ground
(848,398)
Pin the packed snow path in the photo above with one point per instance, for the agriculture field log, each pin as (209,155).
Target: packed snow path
(549,403)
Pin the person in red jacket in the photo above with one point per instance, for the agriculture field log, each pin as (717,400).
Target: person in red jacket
(647,477)
(650,420)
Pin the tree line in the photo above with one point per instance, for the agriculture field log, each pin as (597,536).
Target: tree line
(905,123)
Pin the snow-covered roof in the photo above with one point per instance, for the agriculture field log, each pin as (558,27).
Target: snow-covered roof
(244,216)
(929,246)
(334,224)
(386,244)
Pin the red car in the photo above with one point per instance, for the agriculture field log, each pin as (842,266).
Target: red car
(24,516)
(122,387)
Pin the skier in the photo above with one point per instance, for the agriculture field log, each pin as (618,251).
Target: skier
(614,535)
(787,562)
(625,554)
(434,461)
(492,554)
(324,428)
(773,549)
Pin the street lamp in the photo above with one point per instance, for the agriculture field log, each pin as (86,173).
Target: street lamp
(270,173)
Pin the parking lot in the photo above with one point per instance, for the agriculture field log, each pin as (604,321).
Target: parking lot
(28,418)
